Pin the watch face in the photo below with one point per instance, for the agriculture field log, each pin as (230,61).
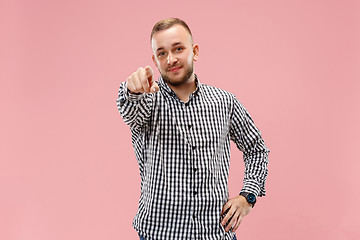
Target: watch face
(251,198)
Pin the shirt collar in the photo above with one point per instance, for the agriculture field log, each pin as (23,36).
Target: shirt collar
(163,85)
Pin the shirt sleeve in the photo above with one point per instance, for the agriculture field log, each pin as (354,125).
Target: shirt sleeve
(134,108)
(248,139)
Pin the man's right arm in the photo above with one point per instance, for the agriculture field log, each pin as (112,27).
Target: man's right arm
(134,100)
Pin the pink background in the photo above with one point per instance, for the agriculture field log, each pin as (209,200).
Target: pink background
(67,167)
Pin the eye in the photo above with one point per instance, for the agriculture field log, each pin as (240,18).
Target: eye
(161,54)
(178,49)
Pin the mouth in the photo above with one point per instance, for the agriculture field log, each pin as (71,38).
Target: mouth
(174,69)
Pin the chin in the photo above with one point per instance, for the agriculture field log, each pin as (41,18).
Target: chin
(175,81)
(178,79)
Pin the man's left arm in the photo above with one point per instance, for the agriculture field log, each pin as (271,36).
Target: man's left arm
(247,138)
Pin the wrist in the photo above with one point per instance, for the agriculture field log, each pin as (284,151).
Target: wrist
(250,198)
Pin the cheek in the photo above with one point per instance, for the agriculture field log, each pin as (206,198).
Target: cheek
(157,63)
(161,65)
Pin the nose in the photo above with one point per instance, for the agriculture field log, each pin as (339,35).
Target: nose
(171,59)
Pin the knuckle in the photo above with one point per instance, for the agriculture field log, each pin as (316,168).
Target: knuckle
(143,79)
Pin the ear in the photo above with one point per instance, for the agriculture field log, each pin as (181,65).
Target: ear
(196,52)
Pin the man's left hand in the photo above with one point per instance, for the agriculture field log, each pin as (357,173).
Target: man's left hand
(238,209)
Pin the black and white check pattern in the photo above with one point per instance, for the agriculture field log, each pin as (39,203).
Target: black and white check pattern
(183,152)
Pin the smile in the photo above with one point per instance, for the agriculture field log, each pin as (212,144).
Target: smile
(175,69)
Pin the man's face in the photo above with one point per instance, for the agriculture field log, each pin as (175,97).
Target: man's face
(174,54)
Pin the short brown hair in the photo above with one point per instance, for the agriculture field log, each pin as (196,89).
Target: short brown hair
(168,23)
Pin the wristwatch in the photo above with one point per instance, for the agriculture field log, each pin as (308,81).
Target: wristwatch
(250,197)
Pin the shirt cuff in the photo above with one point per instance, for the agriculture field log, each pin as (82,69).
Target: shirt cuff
(252,186)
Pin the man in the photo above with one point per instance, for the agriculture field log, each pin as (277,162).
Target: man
(181,131)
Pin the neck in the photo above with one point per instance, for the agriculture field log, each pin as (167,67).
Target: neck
(184,90)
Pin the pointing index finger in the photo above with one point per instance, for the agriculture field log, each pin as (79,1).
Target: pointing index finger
(149,73)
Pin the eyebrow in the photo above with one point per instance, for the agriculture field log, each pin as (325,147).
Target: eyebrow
(174,44)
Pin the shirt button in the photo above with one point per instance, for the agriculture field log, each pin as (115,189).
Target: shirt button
(195,169)
(195,192)
(194,147)
(189,126)
(194,216)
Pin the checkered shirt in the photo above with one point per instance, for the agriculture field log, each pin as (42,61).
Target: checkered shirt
(183,152)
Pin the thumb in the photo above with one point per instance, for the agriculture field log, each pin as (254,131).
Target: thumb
(154,87)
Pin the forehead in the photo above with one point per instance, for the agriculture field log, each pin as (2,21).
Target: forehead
(166,38)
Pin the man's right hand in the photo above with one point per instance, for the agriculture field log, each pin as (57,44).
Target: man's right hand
(142,81)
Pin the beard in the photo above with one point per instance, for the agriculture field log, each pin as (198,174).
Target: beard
(183,80)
